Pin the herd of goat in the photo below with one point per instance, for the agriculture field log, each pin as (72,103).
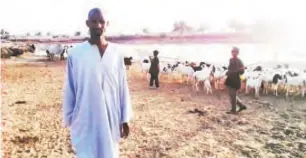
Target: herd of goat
(256,77)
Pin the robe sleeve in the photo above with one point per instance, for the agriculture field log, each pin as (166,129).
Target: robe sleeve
(125,99)
(69,94)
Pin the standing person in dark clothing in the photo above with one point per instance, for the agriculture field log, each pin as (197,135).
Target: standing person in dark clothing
(154,70)
(233,82)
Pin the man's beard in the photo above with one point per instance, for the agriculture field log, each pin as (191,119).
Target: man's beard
(96,32)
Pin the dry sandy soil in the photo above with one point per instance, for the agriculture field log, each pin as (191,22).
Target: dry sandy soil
(165,122)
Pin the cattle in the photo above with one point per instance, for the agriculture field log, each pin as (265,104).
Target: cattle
(31,48)
(16,51)
(54,50)
(65,50)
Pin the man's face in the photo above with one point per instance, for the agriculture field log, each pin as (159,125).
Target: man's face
(96,24)
(234,53)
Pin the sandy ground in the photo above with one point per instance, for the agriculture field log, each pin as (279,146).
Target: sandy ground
(165,122)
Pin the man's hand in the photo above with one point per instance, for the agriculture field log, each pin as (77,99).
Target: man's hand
(124,130)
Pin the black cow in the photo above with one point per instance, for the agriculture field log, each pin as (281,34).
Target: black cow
(16,51)
(32,48)
(65,50)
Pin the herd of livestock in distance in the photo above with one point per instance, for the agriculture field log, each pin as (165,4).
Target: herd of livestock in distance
(256,77)
(51,51)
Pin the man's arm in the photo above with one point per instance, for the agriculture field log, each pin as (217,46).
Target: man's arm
(241,67)
(69,93)
(158,67)
(125,99)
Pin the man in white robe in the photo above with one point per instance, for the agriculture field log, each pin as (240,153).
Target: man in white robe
(96,106)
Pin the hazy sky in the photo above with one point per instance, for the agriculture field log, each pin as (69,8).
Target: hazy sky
(68,16)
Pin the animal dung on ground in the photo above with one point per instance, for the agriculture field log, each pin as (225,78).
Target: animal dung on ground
(20,102)
(199,112)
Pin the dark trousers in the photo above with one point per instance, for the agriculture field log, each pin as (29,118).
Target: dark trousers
(234,99)
(154,77)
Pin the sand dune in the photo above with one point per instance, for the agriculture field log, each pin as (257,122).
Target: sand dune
(169,122)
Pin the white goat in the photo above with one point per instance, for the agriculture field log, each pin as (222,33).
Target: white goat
(273,77)
(219,76)
(296,81)
(166,69)
(145,66)
(254,81)
(203,75)
(207,86)
(184,71)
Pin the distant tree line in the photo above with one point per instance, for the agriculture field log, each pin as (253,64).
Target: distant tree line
(260,28)
(4,34)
